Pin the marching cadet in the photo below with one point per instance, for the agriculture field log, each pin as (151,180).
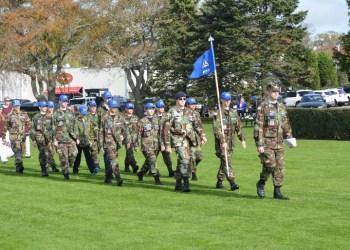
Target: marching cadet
(179,134)
(102,110)
(113,131)
(82,129)
(50,147)
(162,116)
(16,123)
(131,121)
(271,125)
(41,135)
(150,140)
(196,152)
(225,142)
(64,136)
(94,135)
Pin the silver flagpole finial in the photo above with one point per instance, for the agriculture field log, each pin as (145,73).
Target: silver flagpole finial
(211,39)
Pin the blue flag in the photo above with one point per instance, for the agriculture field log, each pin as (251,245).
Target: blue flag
(204,65)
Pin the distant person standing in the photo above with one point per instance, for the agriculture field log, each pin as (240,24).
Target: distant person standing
(132,121)
(16,123)
(271,126)
(5,147)
(64,136)
(225,140)
(7,108)
(241,107)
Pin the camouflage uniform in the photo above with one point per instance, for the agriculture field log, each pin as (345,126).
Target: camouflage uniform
(132,124)
(94,137)
(16,123)
(111,130)
(41,133)
(64,135)
(51,151)
(150,141)
(179,131)
(231,124)
(196,151)
(166,155)
(271,125)
(83,129)
(102,111)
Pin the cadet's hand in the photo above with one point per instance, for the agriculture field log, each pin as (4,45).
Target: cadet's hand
(204,140)
(261,150)
(224,146)
(244,144)
(168,149)
(78,142)
(34,144)
(55,144)
(102,150)
(128,145)
(121,137)
(162,148)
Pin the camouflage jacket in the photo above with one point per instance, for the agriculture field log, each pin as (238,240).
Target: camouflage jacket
(16,123)
(41,128)
(231,124)
(149,133)
(271,125)
(95,126)
(178,129)
(132,122)
(101,111)
(83,128)
(196,121)
(63,122)
(111,130)
(161,121)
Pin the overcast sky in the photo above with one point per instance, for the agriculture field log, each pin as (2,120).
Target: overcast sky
(325,15)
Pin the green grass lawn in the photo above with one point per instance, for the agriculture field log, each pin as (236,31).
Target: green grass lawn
(85,213)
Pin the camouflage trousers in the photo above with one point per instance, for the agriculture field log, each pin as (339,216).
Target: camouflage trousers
(150,162)
(273,164)
(196,157)
(94,153)
(167,160)
(67,152)
(17,146)
(43,155)
(50,156)
(113,166)
(183,168)
(225,171)
(129,157)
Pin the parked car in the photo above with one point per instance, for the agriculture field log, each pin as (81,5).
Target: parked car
(29,106)
(339,96)
(76,102)
(293,97)
(327,96)
(312,101)
(346,90)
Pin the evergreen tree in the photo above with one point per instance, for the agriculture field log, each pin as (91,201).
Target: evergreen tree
(327,70)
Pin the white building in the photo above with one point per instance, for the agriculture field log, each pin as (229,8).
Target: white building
(17,86)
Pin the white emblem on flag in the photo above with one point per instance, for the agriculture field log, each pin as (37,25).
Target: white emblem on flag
(205,64)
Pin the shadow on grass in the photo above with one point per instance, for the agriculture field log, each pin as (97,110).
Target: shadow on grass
(130,180)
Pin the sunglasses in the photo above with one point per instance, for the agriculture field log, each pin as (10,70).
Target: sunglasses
(7,100)
(182,99)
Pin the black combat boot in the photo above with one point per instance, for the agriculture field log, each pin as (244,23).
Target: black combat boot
(127,168)
(157,180)
(119,180)
(234,186)
(260,185)
(278,195)
(66,177)
(54,168)
(44,174)
(194,176)
(219,184)
(140,175)
(170,170)
(178,185)
(186,185)
(108,178)
(135,168)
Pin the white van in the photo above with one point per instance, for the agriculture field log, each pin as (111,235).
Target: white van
(293,97)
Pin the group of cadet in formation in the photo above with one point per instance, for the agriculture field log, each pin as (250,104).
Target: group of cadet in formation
(105,129)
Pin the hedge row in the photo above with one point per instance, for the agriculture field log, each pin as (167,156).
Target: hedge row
(331,124)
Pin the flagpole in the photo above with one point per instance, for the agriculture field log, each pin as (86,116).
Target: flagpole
(211,39)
